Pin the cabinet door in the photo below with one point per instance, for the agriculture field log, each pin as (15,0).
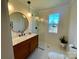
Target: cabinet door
(34,43)
(21,51)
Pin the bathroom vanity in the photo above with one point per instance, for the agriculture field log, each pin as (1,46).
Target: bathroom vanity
(24,46)
(23,43)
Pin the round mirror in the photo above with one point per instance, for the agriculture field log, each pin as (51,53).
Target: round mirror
(19,22)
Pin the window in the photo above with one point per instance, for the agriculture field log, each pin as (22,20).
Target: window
(53,22)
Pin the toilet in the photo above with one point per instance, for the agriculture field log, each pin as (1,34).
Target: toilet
(72,52)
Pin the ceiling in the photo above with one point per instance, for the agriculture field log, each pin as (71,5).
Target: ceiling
(43,4)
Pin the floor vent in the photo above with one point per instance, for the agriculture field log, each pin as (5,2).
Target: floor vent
(41,48)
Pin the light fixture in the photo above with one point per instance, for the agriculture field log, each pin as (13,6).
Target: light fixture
(41,19)
(36,17)
(10,7)
(29,9)
(29,14)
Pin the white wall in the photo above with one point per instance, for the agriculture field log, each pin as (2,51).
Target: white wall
(73,24)
(52,39)
(6,42)
(34,24)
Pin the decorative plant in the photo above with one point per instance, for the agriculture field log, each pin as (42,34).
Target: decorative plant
(62,39)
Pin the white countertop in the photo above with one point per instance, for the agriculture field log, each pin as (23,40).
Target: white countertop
(22,38)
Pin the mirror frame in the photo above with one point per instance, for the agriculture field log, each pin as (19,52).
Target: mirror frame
(25,18)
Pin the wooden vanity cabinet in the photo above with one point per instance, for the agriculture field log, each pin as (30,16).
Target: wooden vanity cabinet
(33,44)
(25,48)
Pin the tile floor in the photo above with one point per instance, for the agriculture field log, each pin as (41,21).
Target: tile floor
(38,54)
(42,53)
